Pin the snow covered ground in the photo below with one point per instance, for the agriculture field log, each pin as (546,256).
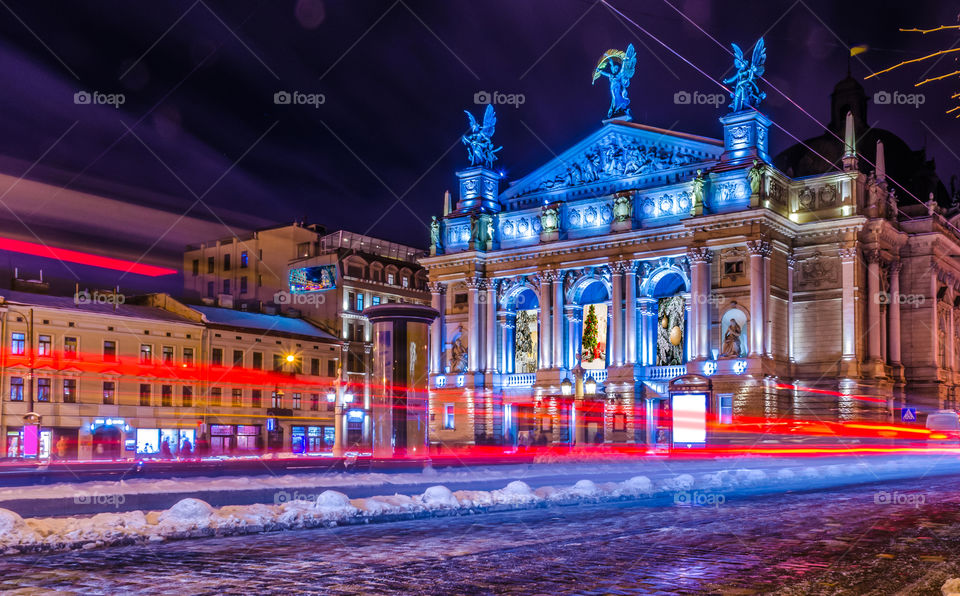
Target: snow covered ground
(700,482)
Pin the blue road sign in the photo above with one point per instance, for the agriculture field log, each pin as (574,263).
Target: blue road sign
(908,414)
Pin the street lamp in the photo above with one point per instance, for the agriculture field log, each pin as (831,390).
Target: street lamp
(566,387)
(590,386)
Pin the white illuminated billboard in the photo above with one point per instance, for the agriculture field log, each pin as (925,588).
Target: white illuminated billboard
(690,418)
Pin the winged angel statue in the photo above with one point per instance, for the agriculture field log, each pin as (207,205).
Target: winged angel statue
(479,146)
(746,93)
(618,66)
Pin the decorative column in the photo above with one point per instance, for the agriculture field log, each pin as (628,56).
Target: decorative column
(767,311)
(557,310)
(437,295)
(700,259)
(791,266)
(574,318)
(506,333)
(490,339)
(630,320)
(848,305)
(546,347)
(616,316)
(893,312)
(474,285)
(367,397)
(873,303)
(648,334)
(757,248)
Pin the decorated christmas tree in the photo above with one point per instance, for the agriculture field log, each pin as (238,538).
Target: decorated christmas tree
(589,346)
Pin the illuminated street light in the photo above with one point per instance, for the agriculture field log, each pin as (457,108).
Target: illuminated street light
(566,387)
(590,386)
(291,358)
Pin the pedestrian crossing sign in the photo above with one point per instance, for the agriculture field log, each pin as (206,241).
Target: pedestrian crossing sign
(908,414)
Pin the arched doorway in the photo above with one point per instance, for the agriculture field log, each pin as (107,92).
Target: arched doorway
(667,287)
(590,323)
(521,306)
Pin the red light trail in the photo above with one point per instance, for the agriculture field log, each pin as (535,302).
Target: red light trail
(82,258)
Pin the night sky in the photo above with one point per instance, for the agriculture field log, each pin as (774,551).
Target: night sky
(199,80)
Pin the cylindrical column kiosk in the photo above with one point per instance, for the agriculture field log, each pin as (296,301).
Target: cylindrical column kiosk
(400,415)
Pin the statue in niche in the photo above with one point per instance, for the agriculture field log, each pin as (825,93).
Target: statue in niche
(696,207)
(731,340)
(618,66)
(549,219)
(458,353)
(475,230)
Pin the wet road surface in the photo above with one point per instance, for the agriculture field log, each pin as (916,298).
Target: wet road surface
(894,537)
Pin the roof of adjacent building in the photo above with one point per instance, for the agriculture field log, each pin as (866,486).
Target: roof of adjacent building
(87,305)
(276,324)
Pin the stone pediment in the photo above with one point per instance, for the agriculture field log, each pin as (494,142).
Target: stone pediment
(617,153)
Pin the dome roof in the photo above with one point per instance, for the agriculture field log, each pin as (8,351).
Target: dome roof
(910,168)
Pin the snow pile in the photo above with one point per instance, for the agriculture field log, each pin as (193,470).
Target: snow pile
(438,497)
(680,482)
(951,587)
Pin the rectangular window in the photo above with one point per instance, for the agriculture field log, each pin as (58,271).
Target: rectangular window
(43,389)
(405,281)
(351,301)
(244,260)
(243,284)
(733,268)
(16,388)
(167,352)
(459,299)
(109,351)
(211,264)
(215,394)
(226,262)
(360,302)
(109,392)
(18,344)
(331,368)
(332,401)
(276,400)
(277,363)
(69,391)
(448,417)
(258,361)
(375,301)
(296,401)
(256,398)
(237,397)
(303,249)
(69,347)
(226,286)
(188,356)
(238,357)
(144,394)
(391,278)
(315,367)
(187,396)
(196,267)
(166,395)
(216,357)
(146,353)
(314,402)
(44,345)
(298,365)
(726,408)
(210,289)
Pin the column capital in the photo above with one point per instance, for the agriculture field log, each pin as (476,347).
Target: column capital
(473,283)
(759,247)
(895,266)
(437,287)
(633,267)
(618,267)
(791,260)
(872,256)
(699,254)
(549,275)
(847,254)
